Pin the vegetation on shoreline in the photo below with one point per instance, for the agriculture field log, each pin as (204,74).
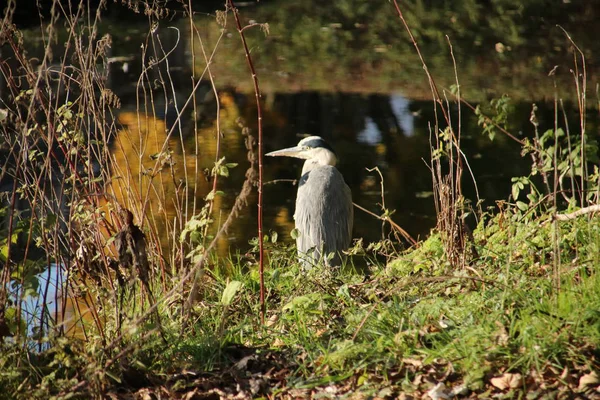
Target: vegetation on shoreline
(509,307)
(361,47)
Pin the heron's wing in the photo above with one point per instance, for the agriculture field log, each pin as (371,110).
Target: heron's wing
(324,213)
(339,215)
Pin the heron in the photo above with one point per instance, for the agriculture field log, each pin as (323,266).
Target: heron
(324,213)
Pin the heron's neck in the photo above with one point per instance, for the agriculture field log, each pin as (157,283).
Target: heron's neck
(321,157)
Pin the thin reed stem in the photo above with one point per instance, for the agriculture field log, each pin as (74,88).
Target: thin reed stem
(260,164)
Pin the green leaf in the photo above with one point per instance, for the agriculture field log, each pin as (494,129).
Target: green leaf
(223,171)
(230,291)
(515,191)
(4,251)
(522,205)
(51,220)
(210,196)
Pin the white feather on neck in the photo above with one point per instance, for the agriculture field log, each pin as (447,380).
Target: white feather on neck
(319,157)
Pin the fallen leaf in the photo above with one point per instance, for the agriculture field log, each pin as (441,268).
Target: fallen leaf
(243,363)
(506,381)
(320,332)
(256,385)
(413,362)
(590,379)
(386,392)
(272,320)
(460,390)
(144,394)
(439,391)
(190,395)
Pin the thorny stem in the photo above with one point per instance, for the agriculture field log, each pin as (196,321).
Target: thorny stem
(260,165)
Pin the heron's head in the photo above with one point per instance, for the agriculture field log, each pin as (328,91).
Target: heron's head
(313,149)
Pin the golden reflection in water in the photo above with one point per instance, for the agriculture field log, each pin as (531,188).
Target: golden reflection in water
(232,148)
(285,222)
(78,319)
(164,179)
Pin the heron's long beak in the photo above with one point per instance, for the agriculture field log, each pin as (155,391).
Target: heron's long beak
(296,152)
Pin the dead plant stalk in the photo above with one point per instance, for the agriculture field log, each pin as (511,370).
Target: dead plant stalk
(447,187)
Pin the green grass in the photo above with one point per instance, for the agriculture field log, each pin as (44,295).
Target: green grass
(502,314)
(402,327)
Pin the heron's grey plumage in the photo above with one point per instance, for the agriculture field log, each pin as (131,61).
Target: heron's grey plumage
(324,213)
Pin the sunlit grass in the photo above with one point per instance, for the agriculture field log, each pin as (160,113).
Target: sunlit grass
(339,325)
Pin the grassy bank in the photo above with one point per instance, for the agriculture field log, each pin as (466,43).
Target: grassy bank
(522,318)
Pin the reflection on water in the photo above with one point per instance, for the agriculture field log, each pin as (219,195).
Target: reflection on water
(162,174)
(51,307)
(47,298)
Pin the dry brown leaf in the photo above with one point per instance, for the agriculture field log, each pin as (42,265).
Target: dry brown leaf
(418,380)
(439,392)
(190,395)
(413,362)
(144,394)
(320,332)
(272,320)
(243,363)
(460,390)
(590,379)
(506,381)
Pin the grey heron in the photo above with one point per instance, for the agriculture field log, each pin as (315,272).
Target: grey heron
(324,213)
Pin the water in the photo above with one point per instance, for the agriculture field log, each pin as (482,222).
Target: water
(40,307)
